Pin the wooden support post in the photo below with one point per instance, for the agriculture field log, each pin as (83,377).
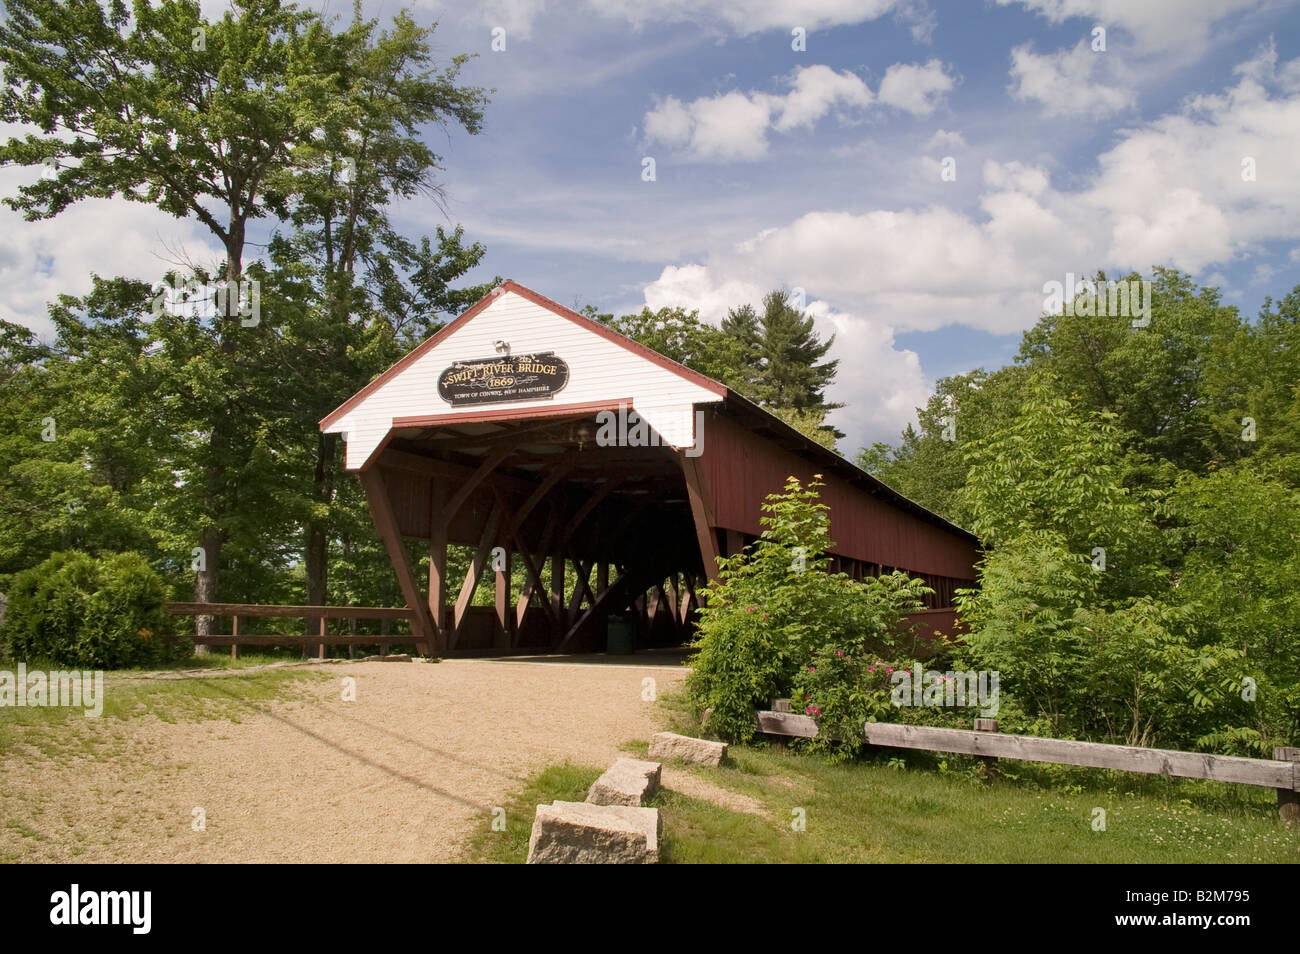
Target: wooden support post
(381,511)
(557,593)
(602,577)
(504,615)
(702,512)
(234,631)
(475,572)
(438,556)
(581,589)
(988,765)
(674,601)
(1288,800)
(320,648)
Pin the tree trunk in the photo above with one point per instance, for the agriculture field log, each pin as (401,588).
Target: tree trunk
(317,556)
(207,581)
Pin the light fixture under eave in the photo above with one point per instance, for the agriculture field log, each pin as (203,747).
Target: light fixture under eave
(502,346)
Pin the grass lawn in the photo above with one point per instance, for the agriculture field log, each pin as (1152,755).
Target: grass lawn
(890,812)
(54,730)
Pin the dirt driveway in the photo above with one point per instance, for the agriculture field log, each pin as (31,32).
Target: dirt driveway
(402,774)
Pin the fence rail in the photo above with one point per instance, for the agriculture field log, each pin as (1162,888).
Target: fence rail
(238,612)
(1281,773)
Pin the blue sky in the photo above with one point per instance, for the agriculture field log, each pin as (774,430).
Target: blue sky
(821,169)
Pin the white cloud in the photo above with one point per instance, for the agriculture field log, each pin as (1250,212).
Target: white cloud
(1015,176)
(516,17)
(944,139)
(915,88)
(746,17)
(1153,24)
(733,17)
(919,19)
(880,384)
(817,90)
(733,126)
(1170,192)
(692,286)
(1064,81)
(41,260)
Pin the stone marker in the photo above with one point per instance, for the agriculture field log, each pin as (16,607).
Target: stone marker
(578,833)
(668,745)
(626,782)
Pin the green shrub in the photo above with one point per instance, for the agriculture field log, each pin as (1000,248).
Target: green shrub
(776,609)
(75,610)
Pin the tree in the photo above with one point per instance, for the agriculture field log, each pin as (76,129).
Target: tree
(200,119)
(266,113)
(1153,378)
(678,334)
(373,293)
(782,352)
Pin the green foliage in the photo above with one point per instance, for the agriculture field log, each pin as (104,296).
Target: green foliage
(74,610)
(184,427)
(776,608)
(774,358)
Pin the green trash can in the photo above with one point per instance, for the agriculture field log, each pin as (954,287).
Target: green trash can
(619,638)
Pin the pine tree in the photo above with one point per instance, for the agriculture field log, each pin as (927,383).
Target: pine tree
(783,352)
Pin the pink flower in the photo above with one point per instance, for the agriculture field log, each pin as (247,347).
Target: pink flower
(839,652)
(890,670)
(812,668)
(871,669)
(812,710)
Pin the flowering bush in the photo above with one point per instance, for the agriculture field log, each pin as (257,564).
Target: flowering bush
(843,687)
(776,614)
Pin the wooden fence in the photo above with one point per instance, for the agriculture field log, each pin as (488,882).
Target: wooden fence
(238,612)
(1281,773)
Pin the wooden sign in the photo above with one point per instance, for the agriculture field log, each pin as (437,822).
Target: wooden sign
(511,377)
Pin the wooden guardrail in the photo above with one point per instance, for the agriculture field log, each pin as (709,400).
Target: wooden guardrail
(237,612)
(1281,773)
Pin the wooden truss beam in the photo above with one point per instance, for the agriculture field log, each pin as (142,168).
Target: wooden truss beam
(381,511)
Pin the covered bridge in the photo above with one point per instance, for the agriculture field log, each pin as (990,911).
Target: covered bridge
(531,433)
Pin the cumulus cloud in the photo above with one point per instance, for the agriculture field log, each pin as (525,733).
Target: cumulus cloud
(729,127)
(817,90)
(1064,81)
(734,126)
(1170,192)
(1152,24)
(945,139)
(882,384)
(916,88)
(41,260)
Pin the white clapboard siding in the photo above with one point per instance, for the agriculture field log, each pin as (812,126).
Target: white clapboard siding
(599,370)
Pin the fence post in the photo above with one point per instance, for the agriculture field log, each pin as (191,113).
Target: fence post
(234,631)
(988,763)
(320,648)
(1288,800)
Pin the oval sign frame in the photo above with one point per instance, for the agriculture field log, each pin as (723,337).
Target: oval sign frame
(536,376)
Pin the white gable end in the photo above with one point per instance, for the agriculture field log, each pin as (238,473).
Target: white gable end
(600,370)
